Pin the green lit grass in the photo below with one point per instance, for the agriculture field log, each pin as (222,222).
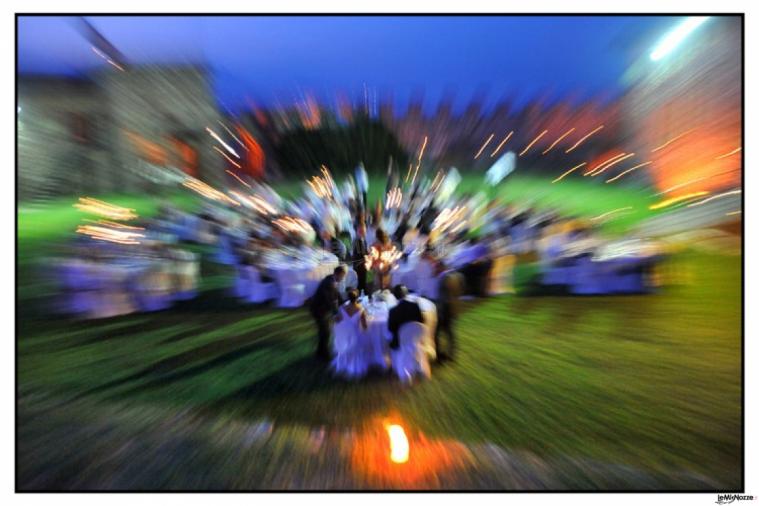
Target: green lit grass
(648,381)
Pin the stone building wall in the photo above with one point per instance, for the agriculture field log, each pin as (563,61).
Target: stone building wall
(72,134)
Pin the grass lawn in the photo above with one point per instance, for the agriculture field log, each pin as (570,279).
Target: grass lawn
(652,382)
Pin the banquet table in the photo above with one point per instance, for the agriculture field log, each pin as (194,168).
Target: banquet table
(378,336)
(309,268)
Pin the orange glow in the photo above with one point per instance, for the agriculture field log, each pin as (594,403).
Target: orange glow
(149,151)
(568,172)
(484,146)
(675,200)
(188,157)
(255,159)
(398,444)
(501,144)
(715,129)
(558,140)
(533,142)
(432,460)
(583,139)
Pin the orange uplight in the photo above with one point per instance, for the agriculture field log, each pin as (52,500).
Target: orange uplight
(433,461)
(398,444)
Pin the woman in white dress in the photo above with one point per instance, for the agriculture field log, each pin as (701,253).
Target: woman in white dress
(350,325)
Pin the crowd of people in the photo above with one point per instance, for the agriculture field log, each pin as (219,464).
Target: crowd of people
(330,249)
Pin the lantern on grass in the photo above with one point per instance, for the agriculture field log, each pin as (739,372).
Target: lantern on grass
(398,444)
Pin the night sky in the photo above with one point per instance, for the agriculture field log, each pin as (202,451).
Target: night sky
(277,60)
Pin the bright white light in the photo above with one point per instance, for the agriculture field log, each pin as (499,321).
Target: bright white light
(676,36)
(18,110)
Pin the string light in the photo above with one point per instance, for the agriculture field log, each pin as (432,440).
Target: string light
(583,139)
(558,140)
(484,146)
(533,142)
(568,172)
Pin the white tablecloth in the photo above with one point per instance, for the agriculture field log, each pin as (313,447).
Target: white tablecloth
(379,336)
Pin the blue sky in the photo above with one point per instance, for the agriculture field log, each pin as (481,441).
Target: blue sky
(278,59)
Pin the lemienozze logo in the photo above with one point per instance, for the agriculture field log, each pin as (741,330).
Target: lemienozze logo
(730,498)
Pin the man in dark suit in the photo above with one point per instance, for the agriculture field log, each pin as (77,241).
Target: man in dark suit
(406,311)
(358,253)
(324,305)
(448,307)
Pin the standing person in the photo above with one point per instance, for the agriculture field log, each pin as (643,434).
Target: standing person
(404,312)
(362,182)
(383,248)
(450,288)
(324,306)
(358,254)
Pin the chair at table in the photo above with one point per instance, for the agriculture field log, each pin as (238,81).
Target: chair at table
(411,359)
(349,357)
(154,288)
(500,279)
(258,291)
(292,290)
(186,270)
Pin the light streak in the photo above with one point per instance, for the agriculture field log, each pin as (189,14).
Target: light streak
(681,185)
(233,135)
(114,212)
(236,177)
(733,213)
(501,144)
(226,146)
(675,200)
(419,163)
(222,153)
(583,139)
(533,142)
(484,146)
(611,212)
(105,57)
(601,170)
(590,171)
(728,154)
(672,140)
(207,191)
(559,139)
(675,36)
(628,170)
(568,172)
(108,234)
(719,196)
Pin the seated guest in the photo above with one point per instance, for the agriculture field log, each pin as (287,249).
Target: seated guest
(404,312)
(324,306)
(351,308)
